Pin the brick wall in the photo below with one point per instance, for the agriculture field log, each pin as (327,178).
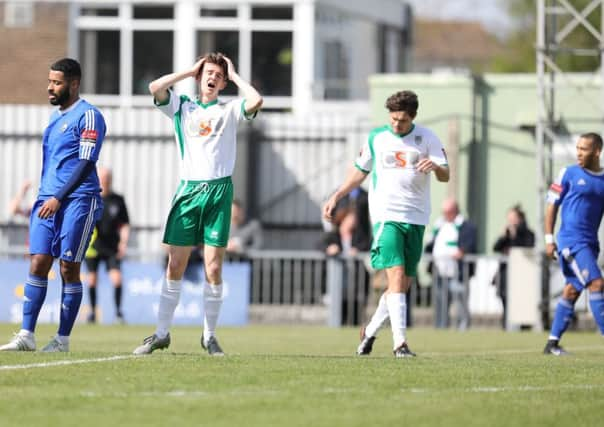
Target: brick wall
(28,52)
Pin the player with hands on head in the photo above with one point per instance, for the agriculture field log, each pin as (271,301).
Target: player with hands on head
(206,133)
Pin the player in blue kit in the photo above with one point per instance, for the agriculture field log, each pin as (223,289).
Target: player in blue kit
(579,191)
(67,207)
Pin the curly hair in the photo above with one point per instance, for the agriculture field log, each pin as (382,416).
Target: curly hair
(404,100)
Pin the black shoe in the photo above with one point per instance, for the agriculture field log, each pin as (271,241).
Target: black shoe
(152,343)
(403,351)
(212,346)
(554,349)
(366,345)
(91,317)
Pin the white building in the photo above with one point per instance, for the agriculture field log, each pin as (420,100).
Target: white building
(296,52)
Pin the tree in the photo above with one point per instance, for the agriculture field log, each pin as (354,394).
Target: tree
(519,53)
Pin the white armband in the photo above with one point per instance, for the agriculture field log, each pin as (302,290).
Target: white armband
(549,239)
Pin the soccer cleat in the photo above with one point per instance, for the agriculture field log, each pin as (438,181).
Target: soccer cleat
(56,346)
(91,318)
(403,351)
(212,346)
(152,343)
(20,342)
(366,345)
(554,349)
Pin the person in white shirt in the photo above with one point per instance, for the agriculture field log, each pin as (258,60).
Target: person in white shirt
(400,158)
(206,133)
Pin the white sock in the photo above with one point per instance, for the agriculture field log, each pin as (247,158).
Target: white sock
(212,300)
(378,319)
(397,308)
(170,295)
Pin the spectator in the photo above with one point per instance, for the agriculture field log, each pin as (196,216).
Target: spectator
(108,245)
(17,207)
(453,237)
(516,234)
(244,235)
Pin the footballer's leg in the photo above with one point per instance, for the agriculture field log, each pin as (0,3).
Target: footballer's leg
(178,256)
(41,238)
(77,217)
(369,332)
(212,298)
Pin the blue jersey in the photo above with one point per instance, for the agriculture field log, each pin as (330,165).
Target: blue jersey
(74,134)
(580,194)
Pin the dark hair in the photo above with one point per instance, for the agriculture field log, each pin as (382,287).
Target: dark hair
(69,67)
(404,100)
(518,209)
(595,139)
(218,59)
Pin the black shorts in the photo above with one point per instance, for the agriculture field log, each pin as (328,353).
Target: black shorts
(111,262)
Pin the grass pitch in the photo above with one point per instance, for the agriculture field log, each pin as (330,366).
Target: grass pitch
(303,376)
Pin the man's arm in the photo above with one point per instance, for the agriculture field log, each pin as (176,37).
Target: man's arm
(159,87)
(253,100)
(551,211)
(123,243)
(353,180)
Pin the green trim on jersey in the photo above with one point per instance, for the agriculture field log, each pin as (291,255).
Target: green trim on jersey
(401,135)
(161,104)
(178,126)
(372,135)
(209,104)
(360,168)
(244,113)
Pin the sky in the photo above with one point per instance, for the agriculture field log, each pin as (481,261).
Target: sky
(491,13)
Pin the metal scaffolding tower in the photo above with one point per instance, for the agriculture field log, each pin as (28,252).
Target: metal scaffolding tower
(556,20)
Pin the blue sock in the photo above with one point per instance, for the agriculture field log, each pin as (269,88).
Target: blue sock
(33,298)
(564,312)
(596,303)
(70,305)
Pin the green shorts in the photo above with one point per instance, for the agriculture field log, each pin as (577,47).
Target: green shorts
(200,213)
(397,243)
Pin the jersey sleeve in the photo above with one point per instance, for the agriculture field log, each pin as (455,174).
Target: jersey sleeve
(239,110)
(364,161)
(171,106)
(436,151)
(92,133)
(558,189)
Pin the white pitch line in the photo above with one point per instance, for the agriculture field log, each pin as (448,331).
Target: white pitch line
(515,389)
(63,363)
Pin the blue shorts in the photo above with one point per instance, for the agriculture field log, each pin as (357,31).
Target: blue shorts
(581,267)
(66,234)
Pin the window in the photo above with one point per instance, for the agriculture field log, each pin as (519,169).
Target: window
(99,11)
(157,12)
(272,63)
(100,58)
(18,14)
(226,42)
(336,71)
(218,12)
(153,53)
(267,12)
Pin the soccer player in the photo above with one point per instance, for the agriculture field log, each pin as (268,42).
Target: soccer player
(67,207)
(206,131)
(579,191)
(400,158)
(108,244)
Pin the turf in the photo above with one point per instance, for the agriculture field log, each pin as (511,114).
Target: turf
(303,376)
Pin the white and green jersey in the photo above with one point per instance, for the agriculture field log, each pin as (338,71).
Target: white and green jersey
(206,135)
(397,191)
